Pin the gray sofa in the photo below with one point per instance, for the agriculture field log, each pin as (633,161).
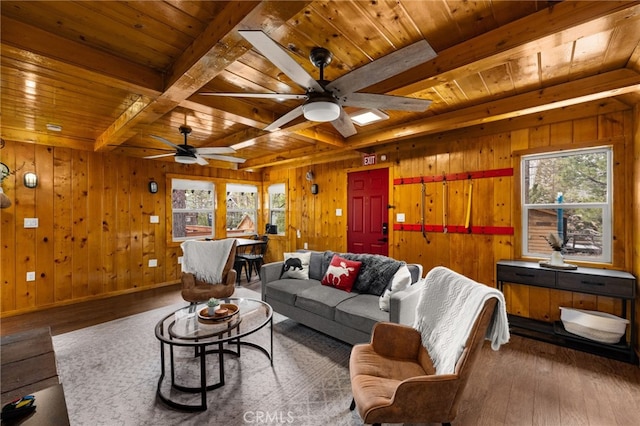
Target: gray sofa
(347,316)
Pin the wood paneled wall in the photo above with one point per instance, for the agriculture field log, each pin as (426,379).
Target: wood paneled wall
(94,237)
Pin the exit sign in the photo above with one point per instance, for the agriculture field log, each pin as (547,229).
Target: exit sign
(369,160)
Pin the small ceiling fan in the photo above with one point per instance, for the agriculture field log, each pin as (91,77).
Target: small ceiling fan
(325,99)
(187,154)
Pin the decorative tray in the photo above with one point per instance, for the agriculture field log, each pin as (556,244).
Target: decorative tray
(231,310)
(566,266)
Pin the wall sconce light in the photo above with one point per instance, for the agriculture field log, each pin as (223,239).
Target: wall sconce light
(153,187)
(30,180)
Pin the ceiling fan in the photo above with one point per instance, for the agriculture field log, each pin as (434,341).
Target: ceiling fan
(325,99)
(187,154)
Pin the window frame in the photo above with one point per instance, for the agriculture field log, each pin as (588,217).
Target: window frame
(251,188)
(276,186)
(606,256)
(199,183)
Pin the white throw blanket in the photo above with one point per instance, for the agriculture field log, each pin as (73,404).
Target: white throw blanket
(447,309)
(206,259)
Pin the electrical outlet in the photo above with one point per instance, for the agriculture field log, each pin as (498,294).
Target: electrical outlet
(153,263)
(154,219)
(338,212)
(400,217)
(31,276)
(30,222)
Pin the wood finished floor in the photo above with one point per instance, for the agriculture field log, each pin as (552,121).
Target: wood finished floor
(64,319)
(525,383)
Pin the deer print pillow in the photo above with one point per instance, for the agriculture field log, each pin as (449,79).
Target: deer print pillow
(342,273)
(296,265)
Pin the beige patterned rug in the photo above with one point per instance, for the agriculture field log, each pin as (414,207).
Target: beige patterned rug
(110,373)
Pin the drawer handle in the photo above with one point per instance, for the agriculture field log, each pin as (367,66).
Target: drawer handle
(592,283)
(518,274)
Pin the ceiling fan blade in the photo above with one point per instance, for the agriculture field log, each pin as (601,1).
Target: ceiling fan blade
(201,160)
(160,156)
(383,68)
(163,140)
(215,150)
(344,125)
(225,158)
(279,96)
(276,125)
(395,103)
(280,58)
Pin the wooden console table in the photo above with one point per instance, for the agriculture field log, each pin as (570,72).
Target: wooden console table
(599,282)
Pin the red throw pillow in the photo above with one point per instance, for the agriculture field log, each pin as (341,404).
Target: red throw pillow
(342,273)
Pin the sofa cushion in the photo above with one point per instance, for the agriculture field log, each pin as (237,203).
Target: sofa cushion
(401,280)
(316,271)
(321,300)
(296,265)
(285,290)
(375,274)
(342,273)
(360,312)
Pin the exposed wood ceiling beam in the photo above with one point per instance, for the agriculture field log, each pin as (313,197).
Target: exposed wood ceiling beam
(217,47)
(46,48)
(571,21)
(587,89)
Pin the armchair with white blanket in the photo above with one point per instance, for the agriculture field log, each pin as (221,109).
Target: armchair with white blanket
(207,269)
(418,374)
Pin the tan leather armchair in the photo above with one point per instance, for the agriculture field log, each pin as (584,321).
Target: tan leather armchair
(393,378)
(195,290)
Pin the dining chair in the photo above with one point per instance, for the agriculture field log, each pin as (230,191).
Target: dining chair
(255,258)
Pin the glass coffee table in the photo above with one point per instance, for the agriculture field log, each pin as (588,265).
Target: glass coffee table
(191,327)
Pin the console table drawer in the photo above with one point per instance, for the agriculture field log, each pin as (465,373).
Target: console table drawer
(605,286)
(538,277)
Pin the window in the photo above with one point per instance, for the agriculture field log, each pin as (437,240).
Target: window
(242,208)
(277,207)
(192,208)
(568,193)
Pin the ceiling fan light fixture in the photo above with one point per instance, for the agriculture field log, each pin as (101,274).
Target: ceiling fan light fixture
(321,111)
(185,159)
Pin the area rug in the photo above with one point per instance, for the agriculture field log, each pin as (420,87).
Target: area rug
(110,373)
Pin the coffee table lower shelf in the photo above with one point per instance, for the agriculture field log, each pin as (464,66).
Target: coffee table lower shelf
(555,333)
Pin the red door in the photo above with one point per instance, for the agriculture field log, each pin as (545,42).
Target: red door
(367,213)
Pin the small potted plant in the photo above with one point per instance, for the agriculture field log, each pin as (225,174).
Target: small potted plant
(556,244)
(212,305)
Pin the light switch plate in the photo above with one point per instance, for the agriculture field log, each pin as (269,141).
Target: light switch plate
(400,217)
(31,276)
(154,219)
(153,263)
(30,222)
(338,212)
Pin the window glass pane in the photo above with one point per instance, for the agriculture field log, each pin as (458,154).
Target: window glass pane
(577,178)
(242,207)
(192,225)
(581,230)
(277,207)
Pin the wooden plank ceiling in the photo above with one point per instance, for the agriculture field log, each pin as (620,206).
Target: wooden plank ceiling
(113,73)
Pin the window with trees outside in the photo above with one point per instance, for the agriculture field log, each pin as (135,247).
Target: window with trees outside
(277,207)
(192,209)
(242,209)
(568,194)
